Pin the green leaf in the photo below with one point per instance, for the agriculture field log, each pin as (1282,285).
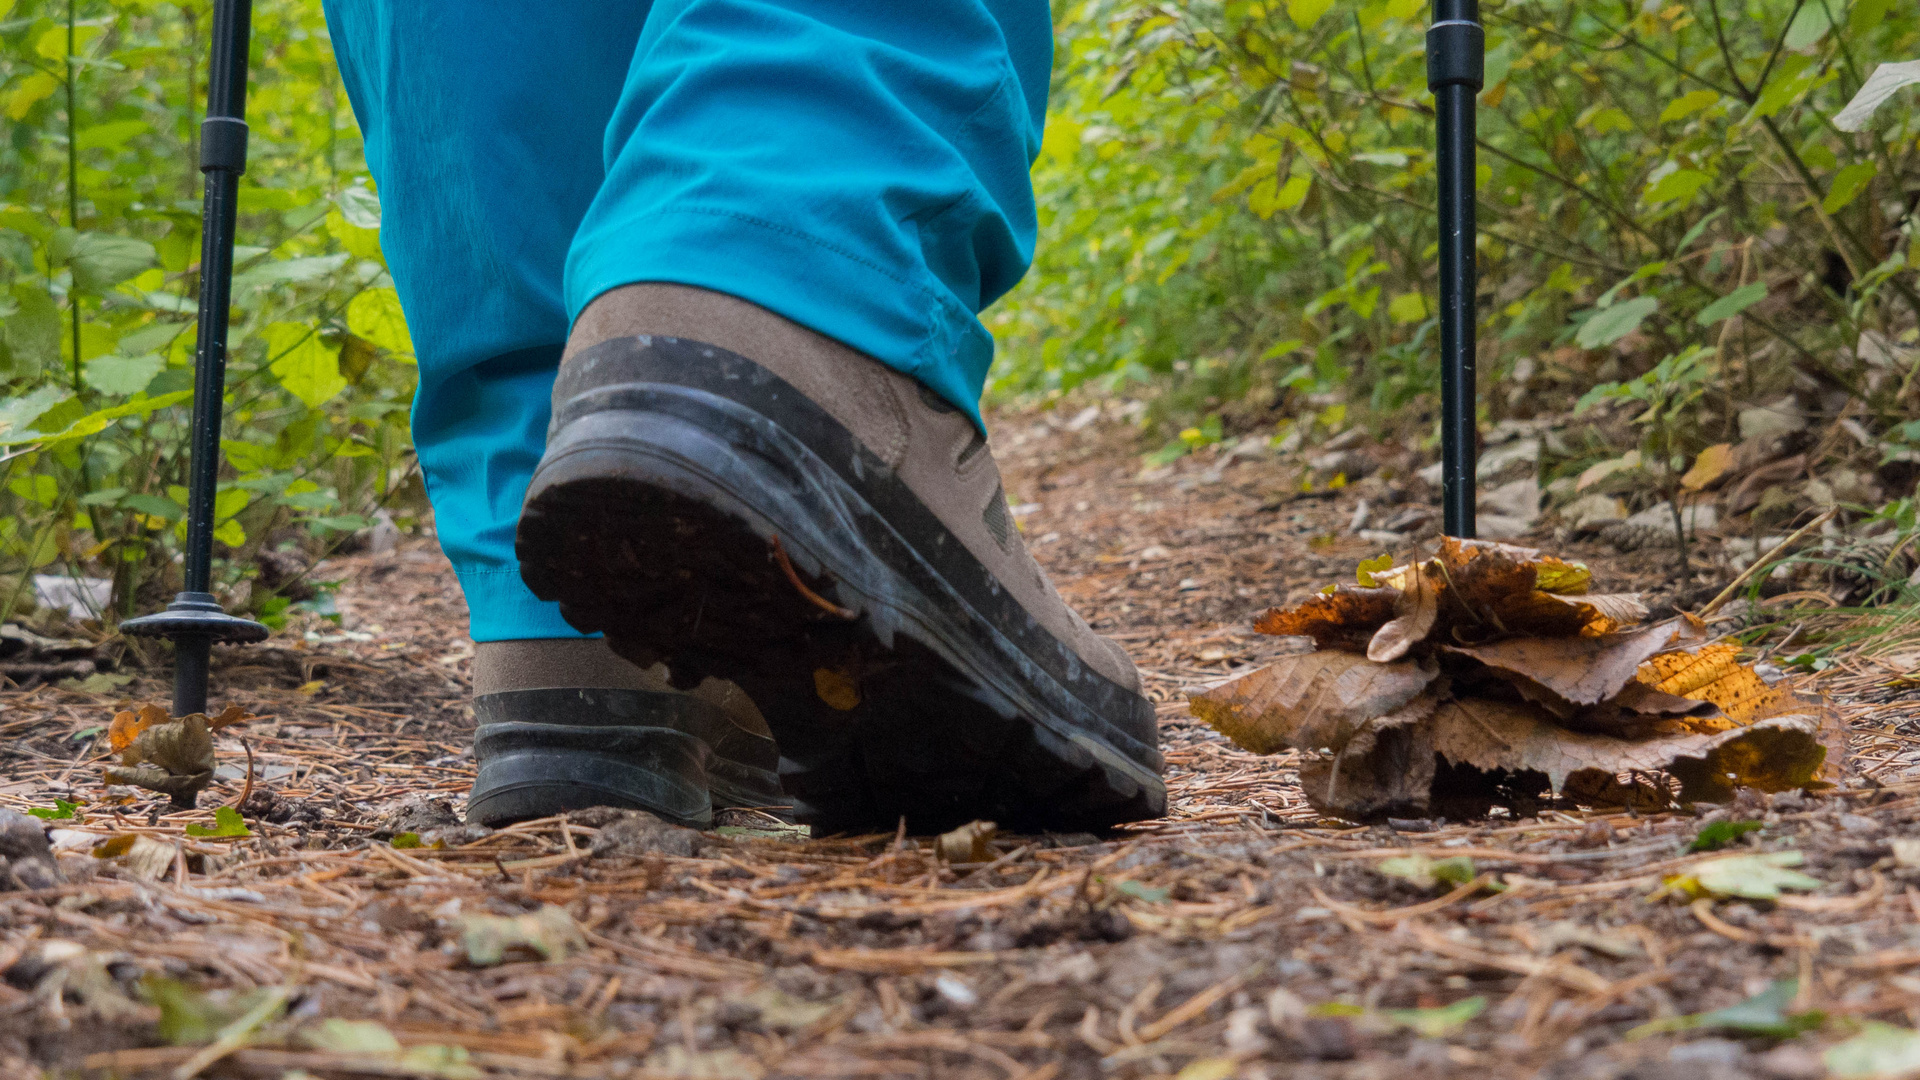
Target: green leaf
(111,135)
(1437,1023)
(120,376)
(1408,308)
(92,423)
(1676,186)
(336,1036)
(1143,893)
(101,260)
(360,206)
(33,331)
(375,315)
(1612,324)
(1808,27)
(1721,833)
(1764,1014)
(1293,192)
(1305,13)
(289,271)
(227,822)
(304,365)
(36,488)
(155,506)
(1427,873)
(62,810)
(1848,184)
(1753,877)
(1687,104)
(1368,567)
(18,414)
(1879,1051)
(407,840)
(1791,80)
(1732,304)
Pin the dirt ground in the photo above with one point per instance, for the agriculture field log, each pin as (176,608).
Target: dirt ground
(1240,936)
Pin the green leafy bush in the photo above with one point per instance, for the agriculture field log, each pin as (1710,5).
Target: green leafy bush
(1237,201)
(99,275)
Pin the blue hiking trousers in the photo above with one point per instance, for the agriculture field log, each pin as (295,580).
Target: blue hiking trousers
(857,166)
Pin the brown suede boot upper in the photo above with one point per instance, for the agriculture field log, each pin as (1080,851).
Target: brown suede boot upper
(588,664)
(932,446)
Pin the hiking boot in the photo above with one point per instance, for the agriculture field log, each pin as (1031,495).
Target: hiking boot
(565,724)
(750,500)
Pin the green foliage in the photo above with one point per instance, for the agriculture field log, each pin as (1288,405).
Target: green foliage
(61,810)
(1220,176)
(1766,1014)
(99,279)
(1721,833)
(227,822)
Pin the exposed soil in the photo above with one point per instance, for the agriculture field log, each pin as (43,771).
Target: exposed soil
(1239,936)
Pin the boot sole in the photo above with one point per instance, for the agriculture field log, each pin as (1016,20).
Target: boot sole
(547,751)
(652,518)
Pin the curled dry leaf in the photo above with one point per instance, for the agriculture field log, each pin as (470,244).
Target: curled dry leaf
(970,843)
(1779,754)
(1347,616)
(1491,676)
(1312,701)
(1414,614)
(1581,670)
(128,725)
(174,758)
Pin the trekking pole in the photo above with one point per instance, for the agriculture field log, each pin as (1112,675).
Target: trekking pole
(194,620)
(1456,65)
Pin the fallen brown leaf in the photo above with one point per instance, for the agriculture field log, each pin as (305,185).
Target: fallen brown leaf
(1581,670)
(1312,701)
(174,758)
(1712,464)
(1347,616)
(1413,618)
(1481,687)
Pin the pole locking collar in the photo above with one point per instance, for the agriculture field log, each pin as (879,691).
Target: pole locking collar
(223,144)
(1456,54)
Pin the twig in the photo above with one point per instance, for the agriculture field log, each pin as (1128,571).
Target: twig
(246,789)
(824,604)
(1763,561)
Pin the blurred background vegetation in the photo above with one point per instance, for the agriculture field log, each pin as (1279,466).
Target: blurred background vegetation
(1237,233)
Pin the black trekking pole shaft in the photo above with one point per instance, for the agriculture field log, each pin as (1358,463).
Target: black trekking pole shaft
(223,157)
(195,620)
(1456,62)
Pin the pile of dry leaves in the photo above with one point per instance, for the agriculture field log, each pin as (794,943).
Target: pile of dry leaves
(1488,675)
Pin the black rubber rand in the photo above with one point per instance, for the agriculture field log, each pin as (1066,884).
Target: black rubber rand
(545,751)
(672,466)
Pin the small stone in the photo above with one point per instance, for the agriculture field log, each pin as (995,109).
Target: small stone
(1351,464)
(1782,417)
(635,832)
(1327,1038)
(1790,1062)
(1858,824)
(1708,1052)
(1588,513)
(1244,1038)
(26,856)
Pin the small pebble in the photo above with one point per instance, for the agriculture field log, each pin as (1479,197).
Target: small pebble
(1708,1052)
(1858,824)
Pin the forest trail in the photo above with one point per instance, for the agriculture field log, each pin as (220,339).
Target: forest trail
(1242,935)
